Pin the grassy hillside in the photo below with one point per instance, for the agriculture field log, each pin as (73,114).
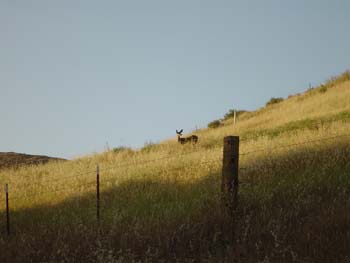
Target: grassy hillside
(163,203)
(15,160)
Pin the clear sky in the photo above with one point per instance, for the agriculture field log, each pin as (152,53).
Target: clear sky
(78,75)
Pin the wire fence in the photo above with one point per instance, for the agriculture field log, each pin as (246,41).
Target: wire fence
(92,184)
(67,187)
(295,144)
(338,117)
(64,179)
(58,178)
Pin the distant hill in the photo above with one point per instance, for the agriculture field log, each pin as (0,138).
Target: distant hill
(12,159)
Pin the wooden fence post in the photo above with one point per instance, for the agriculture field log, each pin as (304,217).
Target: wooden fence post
(234,118)
(98,194)
(7,210)
(229,186)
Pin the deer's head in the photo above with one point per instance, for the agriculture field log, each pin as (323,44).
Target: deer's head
(179,134)
(192,138)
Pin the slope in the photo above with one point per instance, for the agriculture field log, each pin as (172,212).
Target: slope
(163,202)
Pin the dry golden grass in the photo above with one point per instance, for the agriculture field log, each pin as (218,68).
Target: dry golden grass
(162,203)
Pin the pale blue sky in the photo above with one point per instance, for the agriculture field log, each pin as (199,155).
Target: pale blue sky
(75,75)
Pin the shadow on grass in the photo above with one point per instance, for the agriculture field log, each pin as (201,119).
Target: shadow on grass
(140,219)
(294,208)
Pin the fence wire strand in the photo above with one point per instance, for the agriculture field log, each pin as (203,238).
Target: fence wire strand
(294,144)
(57,190)
(165,170)
(146,161)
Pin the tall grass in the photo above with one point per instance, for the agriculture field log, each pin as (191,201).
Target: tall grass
(163,203)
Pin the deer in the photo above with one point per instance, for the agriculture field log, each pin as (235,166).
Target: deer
(192,138)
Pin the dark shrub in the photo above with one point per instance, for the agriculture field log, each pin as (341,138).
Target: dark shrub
(274,101)
(121,149)
(214,124)
(323,89)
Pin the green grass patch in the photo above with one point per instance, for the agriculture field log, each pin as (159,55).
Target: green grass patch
(305,124)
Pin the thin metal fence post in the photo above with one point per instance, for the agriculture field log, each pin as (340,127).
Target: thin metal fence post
(7,210)
(98,194)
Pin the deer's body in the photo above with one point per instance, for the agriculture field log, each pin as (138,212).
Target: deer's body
(192,138)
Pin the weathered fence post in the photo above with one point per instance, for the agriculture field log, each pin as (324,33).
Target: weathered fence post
(234,118)
(7,210)
(230,170)
(98,194)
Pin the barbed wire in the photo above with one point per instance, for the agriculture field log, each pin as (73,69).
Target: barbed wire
(41,193)
(102,182)
(115,166)
(167,169)
(270,165)
(59,179)
(147,161)
(295,144)
(319,122)
(91,210)
(110,180)
(71,162)
(69,177)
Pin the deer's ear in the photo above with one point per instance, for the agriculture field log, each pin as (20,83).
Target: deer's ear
(181,131)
